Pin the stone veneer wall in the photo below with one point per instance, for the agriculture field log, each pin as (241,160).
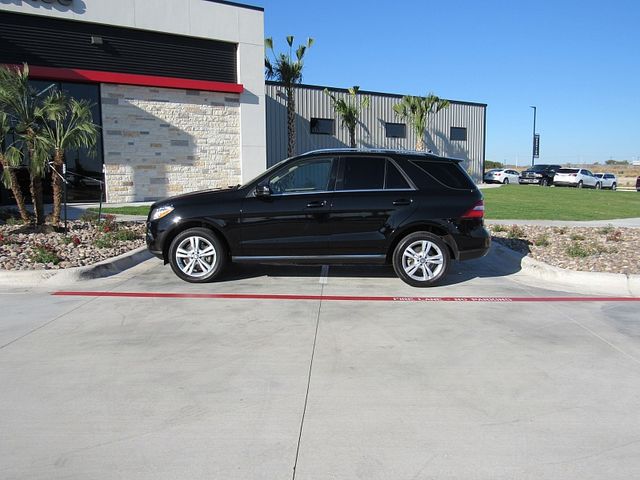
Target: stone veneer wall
(160,142)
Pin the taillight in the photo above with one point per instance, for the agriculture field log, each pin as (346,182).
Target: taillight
(477,211)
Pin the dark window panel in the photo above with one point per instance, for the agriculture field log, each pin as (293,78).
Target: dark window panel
(446,173)
(322,126)
(363,173)
(395,179)
(458,134)
(395,130)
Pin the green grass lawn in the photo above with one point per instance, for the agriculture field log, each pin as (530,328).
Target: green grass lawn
(527,203)
(141,210)
(545,203)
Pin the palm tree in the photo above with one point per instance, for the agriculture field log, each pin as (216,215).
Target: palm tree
(68,125)
(22,105)
(349,110)
(10,157)
(416,111)
(287,70)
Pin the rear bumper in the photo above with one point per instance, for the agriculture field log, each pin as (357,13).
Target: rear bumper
(565,184)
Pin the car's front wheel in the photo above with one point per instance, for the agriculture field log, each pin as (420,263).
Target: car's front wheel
(197,255)
(614,187)
(598,186)
(544,182)
(421,259)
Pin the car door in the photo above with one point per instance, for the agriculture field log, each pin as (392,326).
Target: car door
(291,220)
(372,194)
(588,178)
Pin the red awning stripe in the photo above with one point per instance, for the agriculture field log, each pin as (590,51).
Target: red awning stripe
(95,76)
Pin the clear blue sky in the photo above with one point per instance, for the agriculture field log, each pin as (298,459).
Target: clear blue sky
(577,61)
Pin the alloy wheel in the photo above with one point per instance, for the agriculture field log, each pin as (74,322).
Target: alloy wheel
(196,256)
(422,260)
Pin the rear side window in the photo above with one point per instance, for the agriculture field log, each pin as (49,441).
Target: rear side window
(449,174)
(395,180)
(362,173)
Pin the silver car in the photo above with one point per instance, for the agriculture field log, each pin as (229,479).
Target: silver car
(607,180)
(501,175)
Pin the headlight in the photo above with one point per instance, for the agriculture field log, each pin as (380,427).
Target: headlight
(160,212)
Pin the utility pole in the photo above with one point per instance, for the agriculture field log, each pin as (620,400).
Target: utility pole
(533,147)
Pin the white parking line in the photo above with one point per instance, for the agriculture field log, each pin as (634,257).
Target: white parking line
(324,275)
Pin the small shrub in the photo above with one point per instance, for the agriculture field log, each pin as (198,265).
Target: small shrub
(606,230)
(615,236)
(577,250)
(45,254)
(109,223)
(104,241)
(88,216)
(125,235)
(561,230)
(12,222)
(576,236)
(515,232)
(499,228)
(542,240)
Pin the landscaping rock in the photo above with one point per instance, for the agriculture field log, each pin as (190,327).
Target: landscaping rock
(588,249)
(25,247)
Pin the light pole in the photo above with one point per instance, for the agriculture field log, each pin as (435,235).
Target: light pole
(533,139)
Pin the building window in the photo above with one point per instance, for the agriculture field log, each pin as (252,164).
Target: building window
(322,126)
(395,130)
(458,134)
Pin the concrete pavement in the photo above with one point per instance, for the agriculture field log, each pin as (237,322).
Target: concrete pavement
(164,388)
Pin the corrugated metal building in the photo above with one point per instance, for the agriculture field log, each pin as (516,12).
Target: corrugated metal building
(458,131)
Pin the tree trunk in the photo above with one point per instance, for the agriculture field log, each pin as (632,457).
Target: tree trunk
(36,198)
(291,123)
(420,144)
(352,136)
(17,192)
(56,184)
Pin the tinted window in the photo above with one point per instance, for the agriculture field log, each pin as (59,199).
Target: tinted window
(395,130)
(568,170)
(458,134)
(322,126)
(310,175)
(447,173)
(395,178)
(362,173)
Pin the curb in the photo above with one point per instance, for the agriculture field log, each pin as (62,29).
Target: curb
(586,282)
(105,268)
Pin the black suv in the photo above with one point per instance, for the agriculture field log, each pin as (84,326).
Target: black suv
(416,211)
(539,174)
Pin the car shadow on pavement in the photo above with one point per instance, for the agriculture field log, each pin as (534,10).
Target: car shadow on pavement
(499,262)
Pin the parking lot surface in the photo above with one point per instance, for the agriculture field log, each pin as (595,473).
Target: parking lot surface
(306,373)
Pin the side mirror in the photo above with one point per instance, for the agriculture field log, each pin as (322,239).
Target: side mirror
(263,191)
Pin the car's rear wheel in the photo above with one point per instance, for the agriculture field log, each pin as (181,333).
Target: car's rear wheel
(598,186)
(197,255)
(421,259)
(579,184)
(506,181)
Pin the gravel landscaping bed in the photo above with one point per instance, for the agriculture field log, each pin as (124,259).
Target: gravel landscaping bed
(25,247)
(590,249)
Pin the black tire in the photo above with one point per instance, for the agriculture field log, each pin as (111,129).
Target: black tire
(614,186)
(598,186)
(181,261)
(580,185)
(505,181)
(404,261)
(544,182)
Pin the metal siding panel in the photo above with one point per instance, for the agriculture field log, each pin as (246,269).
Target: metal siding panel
(370,133)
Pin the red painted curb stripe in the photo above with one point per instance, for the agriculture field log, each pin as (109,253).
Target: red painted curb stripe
(343,298)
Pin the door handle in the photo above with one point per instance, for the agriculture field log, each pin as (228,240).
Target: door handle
(402,201)
(316,204)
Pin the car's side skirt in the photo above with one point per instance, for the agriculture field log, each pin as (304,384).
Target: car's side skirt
(313,259)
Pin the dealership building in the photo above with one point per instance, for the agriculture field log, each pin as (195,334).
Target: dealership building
(179,93)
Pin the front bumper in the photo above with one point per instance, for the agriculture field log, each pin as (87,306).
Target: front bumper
(529,181)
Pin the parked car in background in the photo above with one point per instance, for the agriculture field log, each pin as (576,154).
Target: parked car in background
(607,180)
(417,212)
(638,184)
(575,177)
(539,175)
(501,175)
